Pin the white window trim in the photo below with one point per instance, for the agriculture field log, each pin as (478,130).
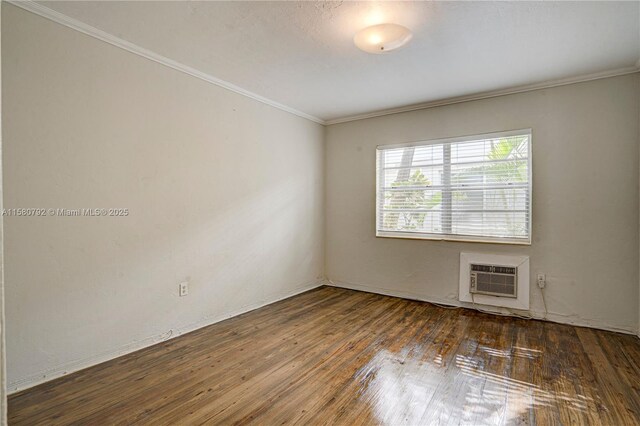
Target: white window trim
(456,237)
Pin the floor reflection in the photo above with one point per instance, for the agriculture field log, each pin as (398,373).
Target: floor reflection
(407,388)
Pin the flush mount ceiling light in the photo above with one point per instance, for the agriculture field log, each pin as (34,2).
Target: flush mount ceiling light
(382,38)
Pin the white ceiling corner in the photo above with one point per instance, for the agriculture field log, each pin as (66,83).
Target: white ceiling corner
(299,56)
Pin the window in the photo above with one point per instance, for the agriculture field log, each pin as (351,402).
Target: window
(475,188)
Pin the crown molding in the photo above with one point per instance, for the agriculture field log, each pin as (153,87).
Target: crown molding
(45,12)
(490,94)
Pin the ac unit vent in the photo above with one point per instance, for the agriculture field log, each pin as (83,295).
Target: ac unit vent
(493,280)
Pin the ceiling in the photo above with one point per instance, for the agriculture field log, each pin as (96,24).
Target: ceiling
(301,54)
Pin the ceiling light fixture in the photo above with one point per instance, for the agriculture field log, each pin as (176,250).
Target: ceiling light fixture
(382,38)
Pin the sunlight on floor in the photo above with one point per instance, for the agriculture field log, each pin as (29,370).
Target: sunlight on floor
(405,388)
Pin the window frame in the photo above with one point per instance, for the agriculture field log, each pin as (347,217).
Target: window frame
(456,237)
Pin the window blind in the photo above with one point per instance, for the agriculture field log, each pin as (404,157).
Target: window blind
(476,188)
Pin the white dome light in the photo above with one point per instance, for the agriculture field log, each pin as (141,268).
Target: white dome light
(382,38)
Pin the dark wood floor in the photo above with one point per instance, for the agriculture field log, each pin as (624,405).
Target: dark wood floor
(335,356)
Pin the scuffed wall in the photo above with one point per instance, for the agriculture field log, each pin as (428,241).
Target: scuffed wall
(585,201)
(222,191)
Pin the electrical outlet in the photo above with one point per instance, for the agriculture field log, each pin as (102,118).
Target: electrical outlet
(183,289)
(541,279)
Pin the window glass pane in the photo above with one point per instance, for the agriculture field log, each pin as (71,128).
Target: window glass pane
(474,187)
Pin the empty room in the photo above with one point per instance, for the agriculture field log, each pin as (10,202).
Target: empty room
(320,212)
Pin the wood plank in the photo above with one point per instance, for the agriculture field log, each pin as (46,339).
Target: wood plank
(336,356)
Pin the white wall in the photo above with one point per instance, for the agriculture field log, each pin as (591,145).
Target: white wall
(3,374)
(223,191)
(585,201)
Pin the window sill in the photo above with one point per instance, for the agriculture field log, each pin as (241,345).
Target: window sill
(453,238)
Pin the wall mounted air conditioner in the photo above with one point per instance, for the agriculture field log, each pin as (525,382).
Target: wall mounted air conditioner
(494,280)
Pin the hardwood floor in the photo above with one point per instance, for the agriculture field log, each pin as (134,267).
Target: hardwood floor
(335,356)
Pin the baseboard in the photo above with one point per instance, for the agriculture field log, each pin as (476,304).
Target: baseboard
(551,317)
(74,366)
